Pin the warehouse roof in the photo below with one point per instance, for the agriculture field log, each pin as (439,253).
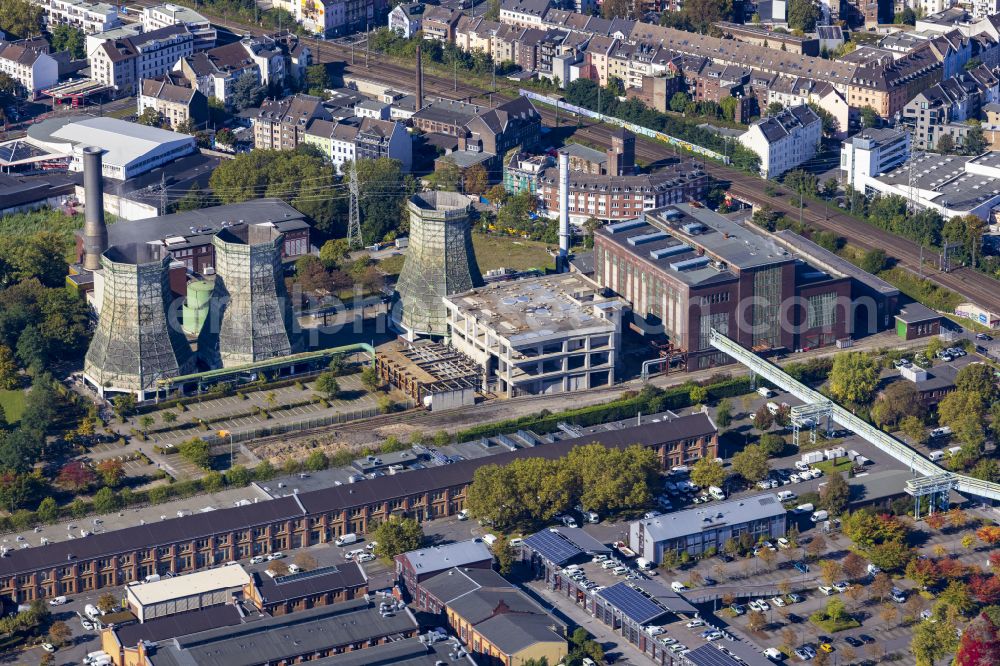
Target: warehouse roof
(200,582)
(306,583)
(695,521)
(408,652)
(439,558)
(825,258)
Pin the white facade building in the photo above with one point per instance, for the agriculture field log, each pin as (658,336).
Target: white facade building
(122,63)
(871,153)
(90,17)
(35,70)
(524,13)
(405,19)
(540,335)
(162,16)
(981,9)
(784,141)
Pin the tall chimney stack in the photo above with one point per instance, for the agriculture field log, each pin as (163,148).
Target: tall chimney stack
(563,212)
(95,231)
(420,80)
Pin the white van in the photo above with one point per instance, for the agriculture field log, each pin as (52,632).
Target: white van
(773,408)
(804,508)
(786,495)
(954,451)
(489,539)
(151,578)
(819,515)
(935,455)
(346,539)
(91,611)
(941,432)
(716,492)
(644,564)
(765,392)
(592,517)
(57,601)
(774,653)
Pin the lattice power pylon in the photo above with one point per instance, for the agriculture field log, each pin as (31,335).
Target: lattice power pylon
(808,416)
(354,240)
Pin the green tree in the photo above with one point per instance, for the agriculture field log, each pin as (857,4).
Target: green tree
(873,261)
(803,15)
(703,14)
(729,104)
(707,472)
(854,377)
(914,430)
(975,141)
(504,554)
(771,444)
(247,92)
(20,19)
(196,451)
(476,180)
(317,80)
(724,413)
(328,385)
(123,405)
(774,108)
(48,510)
(105,500)
(151,117)
(168,417)
(679,101)
(107,602)
(397,536)
(238,476)
(957,597)
(945,144)
(978,380)
(751,463)
(831,127)
(763,419)
(317,461)
(835,494)
(8,369)
(698,394)
(194,199)
(370,378)
(68,38)
(869,118)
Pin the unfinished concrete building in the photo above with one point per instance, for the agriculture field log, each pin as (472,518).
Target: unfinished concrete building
(136,341)
(540,335)
(251,315)
(433,374)
(440,261)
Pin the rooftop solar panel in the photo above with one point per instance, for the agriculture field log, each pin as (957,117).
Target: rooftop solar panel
(634,604)
(553,547)
(709,655)
(305,575)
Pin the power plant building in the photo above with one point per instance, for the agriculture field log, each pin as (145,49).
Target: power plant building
(250,316)
(440,261)
(540,335)
(137,341)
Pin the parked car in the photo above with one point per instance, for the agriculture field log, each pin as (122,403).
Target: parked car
(678,586)
(852,641)
(795,598)
(463,515)
(841,586)
(738,609)
(801,567)
(778,601)
(826,590)
(275,556)
(794,619)
(695,623)
(755,605)
(256,559)
(48,647)
(784,543)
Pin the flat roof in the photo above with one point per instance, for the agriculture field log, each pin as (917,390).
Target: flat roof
(532,309)
(944,180)
(912,313)
(181,624)
(694,521)
(122,141)
(315,581)
(876,485)
(187,585)
(826,258)
(407,652)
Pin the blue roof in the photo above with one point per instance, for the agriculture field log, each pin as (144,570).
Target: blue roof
(709,655)
(553,547)
(634,604)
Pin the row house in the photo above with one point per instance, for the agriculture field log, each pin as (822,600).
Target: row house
(886,84)
(618,28)
(631,62)
(281,124)
(474,33)
(335,140)
(952,48)
(214,72)
(384,138)
(597,58)
(32,68)
(90,17)
(524,13)
(798,91)
(122,63)
(405,19)
(439,23)
(943,108)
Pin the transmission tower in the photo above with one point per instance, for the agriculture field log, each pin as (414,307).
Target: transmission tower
(354,240)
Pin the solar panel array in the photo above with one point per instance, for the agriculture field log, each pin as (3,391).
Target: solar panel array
(632,603)
(709,655)
(305,575)
(553,547)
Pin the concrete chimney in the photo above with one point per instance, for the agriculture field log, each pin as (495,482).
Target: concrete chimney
(420,80)
(563,212)
(95,231)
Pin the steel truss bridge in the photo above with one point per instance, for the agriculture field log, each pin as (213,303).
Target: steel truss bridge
(937,481)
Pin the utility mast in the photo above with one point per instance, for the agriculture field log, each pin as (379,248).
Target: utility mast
(354,240)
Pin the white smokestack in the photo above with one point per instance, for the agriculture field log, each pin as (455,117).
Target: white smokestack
(563,211)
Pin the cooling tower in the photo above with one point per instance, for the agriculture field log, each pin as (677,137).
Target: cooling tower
(439,261)
(136,343)
(250,316)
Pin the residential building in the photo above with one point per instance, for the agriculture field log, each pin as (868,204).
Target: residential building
(522,171)
(214,72)
(123,63)
(438,23)
(161,16)
(372,108)
(574,341)
(494,619)
(942,109)
(524,13)
(951,185)
(766,36)
(474,33)
(416,566)
(698,530)
(384,138)
(90,17)
(686,270)
(280,124)
(789,92)
(34,69)
(121,32)
(784,141)
(336,140)
(405,19)
(871,152)
(175,99)
(326,17)
(885,83)
(981,9)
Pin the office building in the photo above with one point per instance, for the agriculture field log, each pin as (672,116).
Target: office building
(89,17)
(416,566)
(871,152)
(695,531)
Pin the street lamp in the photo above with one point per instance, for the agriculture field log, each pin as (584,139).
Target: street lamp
(224,434)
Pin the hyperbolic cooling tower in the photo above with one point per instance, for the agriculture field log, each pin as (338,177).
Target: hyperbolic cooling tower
(439,261)
(135,343)
(251,316)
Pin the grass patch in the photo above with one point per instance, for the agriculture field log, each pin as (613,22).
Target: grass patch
(923,291)
(494,251)
(833,626)
(832,466)
(13,404)
(22,225)
(392,265)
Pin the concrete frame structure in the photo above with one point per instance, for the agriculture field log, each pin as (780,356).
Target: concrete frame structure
(539,335)
(90,17)
(251,315)
(440,261)
(161,16)
(135,343)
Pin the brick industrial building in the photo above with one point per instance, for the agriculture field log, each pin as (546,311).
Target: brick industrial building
(190,543)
